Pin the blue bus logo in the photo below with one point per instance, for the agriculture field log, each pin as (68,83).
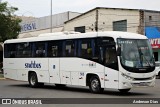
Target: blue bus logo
(33,64)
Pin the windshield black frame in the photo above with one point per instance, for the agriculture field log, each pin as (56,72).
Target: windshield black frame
(136,55)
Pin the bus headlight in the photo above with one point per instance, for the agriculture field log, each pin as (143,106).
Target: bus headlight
(126,76)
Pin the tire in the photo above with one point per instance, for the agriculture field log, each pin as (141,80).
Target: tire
(124,90)
(33,81)
(95,85)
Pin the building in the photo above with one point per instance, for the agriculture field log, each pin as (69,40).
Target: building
(31,26)
(145,22)
(107,19)
(113,19)
(153,33)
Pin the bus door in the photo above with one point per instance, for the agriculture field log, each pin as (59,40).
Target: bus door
(54,48)
(111,66)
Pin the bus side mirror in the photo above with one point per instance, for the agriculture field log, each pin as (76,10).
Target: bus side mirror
(119,51)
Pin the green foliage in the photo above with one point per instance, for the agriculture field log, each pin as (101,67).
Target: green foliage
(9,23)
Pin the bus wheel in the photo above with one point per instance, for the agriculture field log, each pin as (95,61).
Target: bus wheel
(33,81)
(124,90)
(95,85)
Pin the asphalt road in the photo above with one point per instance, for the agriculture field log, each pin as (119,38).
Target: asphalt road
(17,89)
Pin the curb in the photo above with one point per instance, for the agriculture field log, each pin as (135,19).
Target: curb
(2,78)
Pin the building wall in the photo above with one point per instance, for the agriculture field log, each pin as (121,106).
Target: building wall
(36,33)
(108,16)
(105,18)
(71,15)
(152,19)
(31,26)
(87,20)
(41,23)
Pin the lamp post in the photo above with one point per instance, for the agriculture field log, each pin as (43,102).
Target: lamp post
(51,18)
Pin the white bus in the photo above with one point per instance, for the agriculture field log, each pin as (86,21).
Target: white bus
(116,60)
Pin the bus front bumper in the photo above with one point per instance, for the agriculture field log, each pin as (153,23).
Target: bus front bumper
(134,84)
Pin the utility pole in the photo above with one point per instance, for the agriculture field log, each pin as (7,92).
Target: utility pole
(96,23)
(51,18)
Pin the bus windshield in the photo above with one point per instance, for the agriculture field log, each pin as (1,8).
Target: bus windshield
(135,53)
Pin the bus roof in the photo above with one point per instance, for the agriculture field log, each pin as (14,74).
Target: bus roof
(63,36)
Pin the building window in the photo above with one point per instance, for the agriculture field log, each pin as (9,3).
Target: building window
(120,25)
(150,18)
(80,29)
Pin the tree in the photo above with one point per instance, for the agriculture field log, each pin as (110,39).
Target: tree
(9,23)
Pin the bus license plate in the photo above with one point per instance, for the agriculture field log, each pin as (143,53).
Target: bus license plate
(143,84)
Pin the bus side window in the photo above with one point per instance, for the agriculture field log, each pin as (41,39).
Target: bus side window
(27,50)
(70,48)
(12,54)
(10,51)
(86,48)
(19,48)
(54,51)
(54,48)
(39,49)
(23,50)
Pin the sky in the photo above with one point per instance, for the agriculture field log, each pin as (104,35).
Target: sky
(40,8)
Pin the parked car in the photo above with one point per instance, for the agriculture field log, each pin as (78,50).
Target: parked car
(157,69)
